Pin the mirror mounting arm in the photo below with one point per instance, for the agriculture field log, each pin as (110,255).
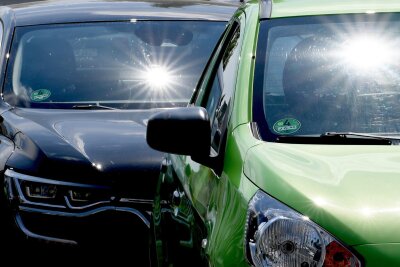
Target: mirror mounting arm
(211,162)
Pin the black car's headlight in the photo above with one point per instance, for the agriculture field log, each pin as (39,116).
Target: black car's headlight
(279,236)
(30,190)
(40,191)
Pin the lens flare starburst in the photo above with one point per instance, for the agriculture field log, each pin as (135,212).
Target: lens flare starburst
(158,77)
(367,53)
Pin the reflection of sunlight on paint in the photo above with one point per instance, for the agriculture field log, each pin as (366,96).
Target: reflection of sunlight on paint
(320,202)
(367,212)
(366,53)
(97,166)
(158,77)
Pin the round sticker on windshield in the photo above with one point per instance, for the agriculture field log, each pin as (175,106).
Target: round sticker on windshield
(286,126)
(40,95)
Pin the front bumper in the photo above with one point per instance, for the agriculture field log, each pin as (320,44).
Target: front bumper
(68,221)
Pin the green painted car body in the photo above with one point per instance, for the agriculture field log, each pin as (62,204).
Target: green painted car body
(350,191)
(290,8)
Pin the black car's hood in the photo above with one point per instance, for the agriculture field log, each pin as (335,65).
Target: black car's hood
(82,146)
(107,144)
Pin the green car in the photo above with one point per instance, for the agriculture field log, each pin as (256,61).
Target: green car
(288,152)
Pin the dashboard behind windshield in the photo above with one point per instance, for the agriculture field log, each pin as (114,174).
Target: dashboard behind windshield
(137,64)
(328,74)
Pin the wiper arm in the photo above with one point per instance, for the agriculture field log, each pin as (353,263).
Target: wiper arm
(90,106)
(340,138)
(358,135)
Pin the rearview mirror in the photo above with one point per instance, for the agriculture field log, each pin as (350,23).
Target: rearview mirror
(183,131)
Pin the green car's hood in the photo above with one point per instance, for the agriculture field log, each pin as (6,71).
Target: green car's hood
(351,191)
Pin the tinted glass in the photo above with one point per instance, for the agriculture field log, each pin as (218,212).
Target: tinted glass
(328,74)
(213,98)
(222,89)
(141,64)
(1,33)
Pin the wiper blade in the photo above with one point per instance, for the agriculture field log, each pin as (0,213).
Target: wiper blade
(359,135)
(340,138)
(89,106)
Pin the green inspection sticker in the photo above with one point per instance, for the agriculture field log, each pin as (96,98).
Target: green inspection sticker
(40,95)
(287,126)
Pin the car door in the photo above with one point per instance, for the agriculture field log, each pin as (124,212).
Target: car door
(187,193)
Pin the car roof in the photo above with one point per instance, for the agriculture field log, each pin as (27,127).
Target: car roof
(68,11)
(291,8)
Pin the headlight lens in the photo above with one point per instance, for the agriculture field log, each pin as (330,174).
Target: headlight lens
(40,191)
(288,241)
(31,190)
(279,236)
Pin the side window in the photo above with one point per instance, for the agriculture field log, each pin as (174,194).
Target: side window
(213,98)
(218,99)
(1,33)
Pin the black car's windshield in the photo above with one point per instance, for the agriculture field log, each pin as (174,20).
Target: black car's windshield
(328,74)
(137,64)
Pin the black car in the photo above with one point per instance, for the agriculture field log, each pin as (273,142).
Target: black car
(79,80)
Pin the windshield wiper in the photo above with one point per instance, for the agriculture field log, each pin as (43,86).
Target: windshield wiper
(359,135)
(340,138)
(90,106)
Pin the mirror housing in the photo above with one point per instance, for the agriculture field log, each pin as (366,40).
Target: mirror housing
(183,131)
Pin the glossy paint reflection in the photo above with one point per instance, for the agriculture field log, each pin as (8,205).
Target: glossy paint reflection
(355,187)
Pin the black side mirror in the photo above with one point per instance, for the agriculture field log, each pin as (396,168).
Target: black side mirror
(183,131)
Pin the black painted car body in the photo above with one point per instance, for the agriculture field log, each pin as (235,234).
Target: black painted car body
(73,169)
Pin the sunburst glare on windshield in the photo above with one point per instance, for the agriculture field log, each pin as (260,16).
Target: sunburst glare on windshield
(158,77)
(368,52)
(162,75)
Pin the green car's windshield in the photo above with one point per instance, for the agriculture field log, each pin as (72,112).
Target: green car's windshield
(137,64)
(328,74)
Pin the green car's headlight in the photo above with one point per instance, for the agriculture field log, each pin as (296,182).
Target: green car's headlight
(279,236)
